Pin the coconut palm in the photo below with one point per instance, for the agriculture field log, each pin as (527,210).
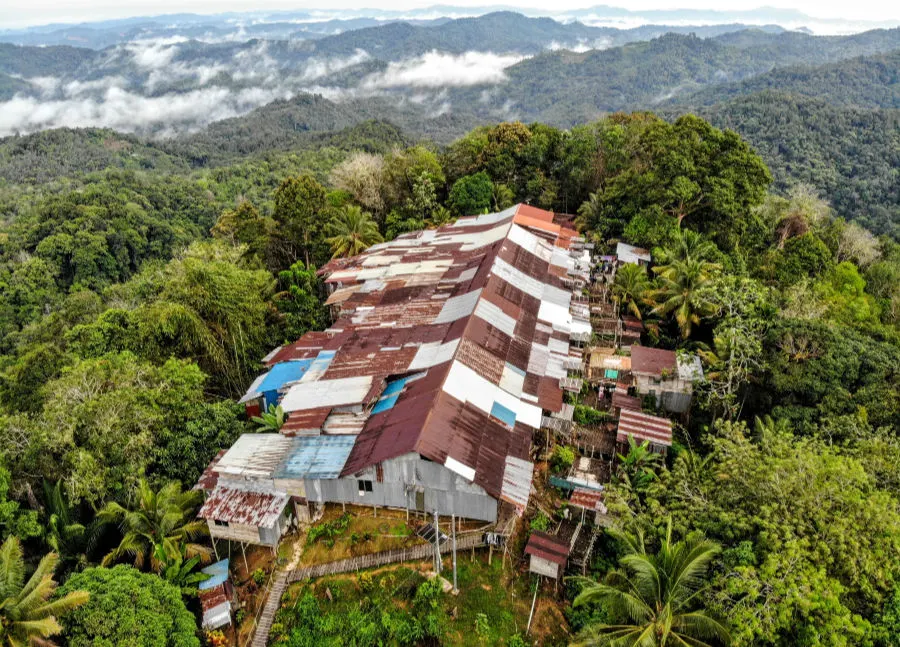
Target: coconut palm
(630,288)
(653,598)
(684,290)
(157,524)
(27,615)
(352,232)
(689,245)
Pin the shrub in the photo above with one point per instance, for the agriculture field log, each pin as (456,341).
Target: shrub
(562,459)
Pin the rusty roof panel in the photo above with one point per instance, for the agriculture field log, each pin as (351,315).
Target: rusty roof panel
(248,507)
(652,361)
(548,547)
(643,427)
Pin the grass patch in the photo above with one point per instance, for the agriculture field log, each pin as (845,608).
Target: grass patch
(377,607)
(340,535)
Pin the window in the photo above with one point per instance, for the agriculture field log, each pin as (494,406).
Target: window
(364,486)
(221,524)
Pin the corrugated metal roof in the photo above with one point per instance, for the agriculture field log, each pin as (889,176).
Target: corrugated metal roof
(326,393)
(316,457)
(407,305)
(254,456)
(652,361)
(548,547)
(248,507)
(643,426)
(517,477)
(589,499)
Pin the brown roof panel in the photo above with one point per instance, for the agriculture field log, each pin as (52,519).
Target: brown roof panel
(548,547)
(652,361)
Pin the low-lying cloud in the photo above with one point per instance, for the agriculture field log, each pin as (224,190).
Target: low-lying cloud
(126,111)
(440,70)
(149,89)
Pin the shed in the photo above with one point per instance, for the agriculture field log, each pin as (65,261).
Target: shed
(216,594)
(548,554)
(667,376)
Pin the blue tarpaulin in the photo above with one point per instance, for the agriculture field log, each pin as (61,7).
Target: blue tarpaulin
(218,574)
(281,374)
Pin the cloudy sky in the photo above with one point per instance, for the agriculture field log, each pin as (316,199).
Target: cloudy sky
(17,13)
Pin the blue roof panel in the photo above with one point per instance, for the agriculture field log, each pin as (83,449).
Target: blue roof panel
(504,415)
(316,457)
(284,372)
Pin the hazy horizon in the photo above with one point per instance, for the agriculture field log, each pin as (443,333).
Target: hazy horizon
(24,14)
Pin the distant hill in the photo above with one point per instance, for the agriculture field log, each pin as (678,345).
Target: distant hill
(66,152)
(865,81)
(852,155)
(565,88)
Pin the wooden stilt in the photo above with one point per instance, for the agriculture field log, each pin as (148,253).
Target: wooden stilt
(244,552)
(215,552)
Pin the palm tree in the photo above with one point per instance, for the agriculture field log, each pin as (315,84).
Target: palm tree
(352,232)
(65,535)
(157,524)
(689,245)
(630,288)
(652,599)
(683,290)
(27,616)
(271,420)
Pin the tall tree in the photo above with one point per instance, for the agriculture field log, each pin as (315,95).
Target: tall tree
(298,214)
(156,525)
(352,232)
(27,614)
(653,599)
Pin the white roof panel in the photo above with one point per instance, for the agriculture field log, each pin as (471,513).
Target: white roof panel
(327,393)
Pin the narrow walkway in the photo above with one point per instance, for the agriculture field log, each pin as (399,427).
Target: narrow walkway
(264,625)
(273,601)
(373,560)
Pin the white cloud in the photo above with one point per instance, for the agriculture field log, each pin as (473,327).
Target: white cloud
(316,68)
(130,112)
(154,53)
(581,45)
(437,69)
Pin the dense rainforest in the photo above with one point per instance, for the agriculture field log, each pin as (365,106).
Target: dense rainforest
(139,290)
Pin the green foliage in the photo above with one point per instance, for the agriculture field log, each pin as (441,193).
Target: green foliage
(271,420)
(471,194)
(562,458)
(588,416)
(158,527)
(352,231)
(27,613)
(99,428)
(398,608)
(299,301)
(328,530)
(652,598)
(128,607)
(793,514)
(14,520)
(540,522)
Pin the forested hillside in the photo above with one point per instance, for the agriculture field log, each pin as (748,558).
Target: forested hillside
(137,300)
(864,82)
